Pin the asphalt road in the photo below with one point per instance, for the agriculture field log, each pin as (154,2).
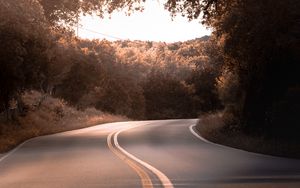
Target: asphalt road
(146,154)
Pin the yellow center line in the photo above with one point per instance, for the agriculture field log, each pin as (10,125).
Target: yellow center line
(166,183)
(145,179)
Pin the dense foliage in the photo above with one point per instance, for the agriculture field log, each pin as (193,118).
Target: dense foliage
(24,42)
(251,63)
(134,78)
(261,44)
(142,79)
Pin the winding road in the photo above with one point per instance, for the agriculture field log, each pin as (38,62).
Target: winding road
(147,154)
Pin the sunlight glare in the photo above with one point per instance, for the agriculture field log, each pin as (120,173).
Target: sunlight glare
(153,24)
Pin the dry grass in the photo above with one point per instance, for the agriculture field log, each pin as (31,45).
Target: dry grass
(213,128)
(52,116)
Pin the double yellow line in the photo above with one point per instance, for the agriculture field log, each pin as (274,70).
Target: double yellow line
(135,163)
(145,179)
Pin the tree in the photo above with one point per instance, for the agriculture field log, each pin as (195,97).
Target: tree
(67,11)
(209,62)
(260,43)
(24,42)
(167,97)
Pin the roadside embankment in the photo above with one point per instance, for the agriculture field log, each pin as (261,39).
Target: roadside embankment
(49,116)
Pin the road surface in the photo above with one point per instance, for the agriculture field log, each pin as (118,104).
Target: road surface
(148,154)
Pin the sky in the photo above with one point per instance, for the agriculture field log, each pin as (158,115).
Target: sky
(153,24)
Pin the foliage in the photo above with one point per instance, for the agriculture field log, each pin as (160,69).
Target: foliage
(167,97)
(123,74)
(253,43)
(133,78)
(53,115)
(67,11)
(260,45)
(24,42)
(114,77)
(249,66)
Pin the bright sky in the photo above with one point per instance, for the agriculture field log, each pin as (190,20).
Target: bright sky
(153,24)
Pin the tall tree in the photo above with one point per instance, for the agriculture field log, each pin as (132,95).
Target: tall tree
(24,42)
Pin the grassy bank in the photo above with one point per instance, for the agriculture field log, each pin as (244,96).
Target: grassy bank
(213,128)
(45,117)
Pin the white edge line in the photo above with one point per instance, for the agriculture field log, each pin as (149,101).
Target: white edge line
(198,135)
(75,131)
(5,155)
(163,178)
(13,151)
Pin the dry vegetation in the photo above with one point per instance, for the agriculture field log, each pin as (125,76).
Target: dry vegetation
(47,115)
(213,128)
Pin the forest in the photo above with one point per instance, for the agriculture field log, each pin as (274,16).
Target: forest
(248,68)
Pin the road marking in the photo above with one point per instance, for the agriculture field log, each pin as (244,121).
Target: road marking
(162,177)
(55,134)
(197,135)
(145,179)
(13,151)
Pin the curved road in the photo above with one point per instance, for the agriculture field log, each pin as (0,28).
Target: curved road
(148,154)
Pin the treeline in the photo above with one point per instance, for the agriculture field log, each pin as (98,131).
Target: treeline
(260,83)
(178,80)
(142,80)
